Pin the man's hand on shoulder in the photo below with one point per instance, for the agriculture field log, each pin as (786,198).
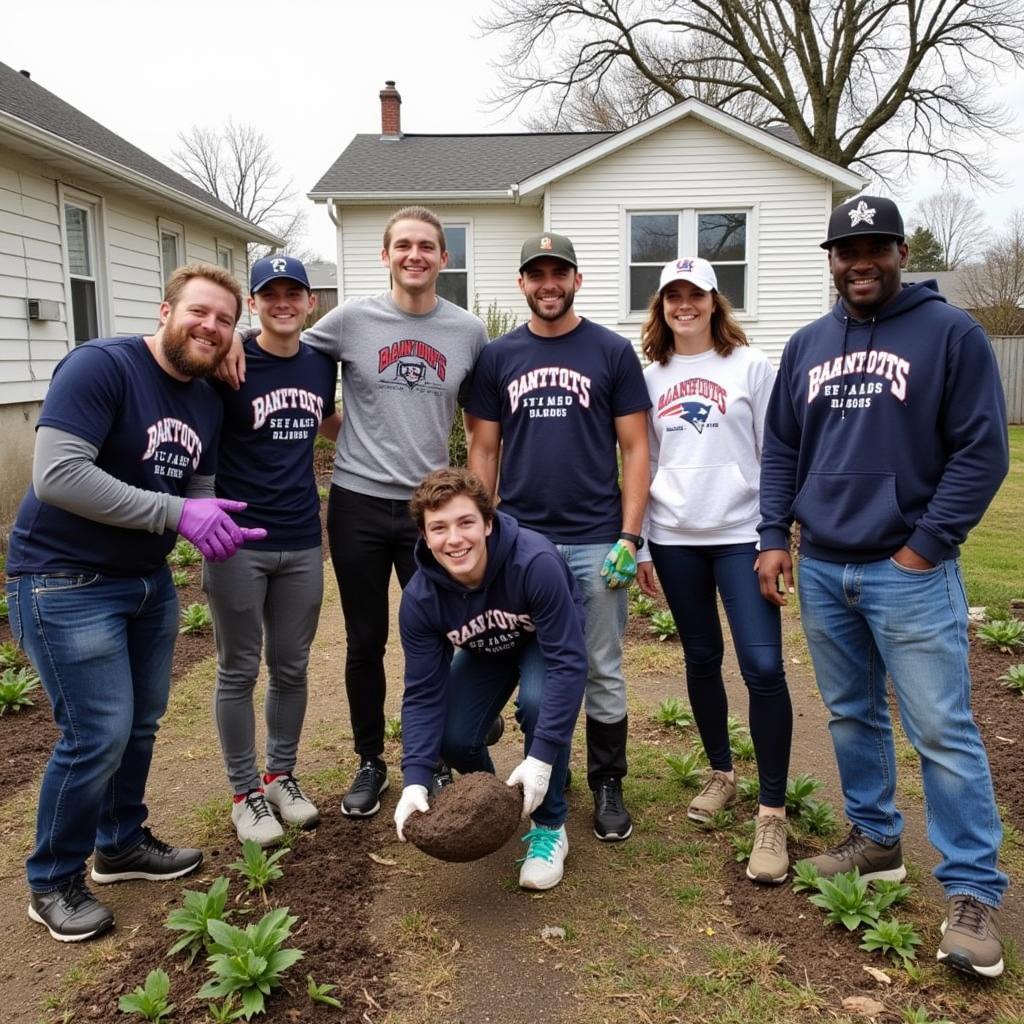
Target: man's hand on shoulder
(232,367)
(769,566)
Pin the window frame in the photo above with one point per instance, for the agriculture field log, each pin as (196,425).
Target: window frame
(169,227)
(467,226)
(225,248)
(97,248)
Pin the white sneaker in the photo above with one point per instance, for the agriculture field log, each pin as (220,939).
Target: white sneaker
(291,803)
(253,819)
(544,862)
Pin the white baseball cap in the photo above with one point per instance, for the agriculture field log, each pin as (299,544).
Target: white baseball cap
(692,269)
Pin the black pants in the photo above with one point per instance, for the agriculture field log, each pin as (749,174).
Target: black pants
(367,537)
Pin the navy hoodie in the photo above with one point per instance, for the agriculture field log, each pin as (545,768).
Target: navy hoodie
(884,433)
(528,591)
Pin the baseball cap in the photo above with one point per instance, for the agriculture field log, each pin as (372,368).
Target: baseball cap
(864,215)
(270,268)
(547,244)
(692,269)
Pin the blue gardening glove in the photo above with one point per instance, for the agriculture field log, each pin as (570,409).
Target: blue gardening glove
(619,569)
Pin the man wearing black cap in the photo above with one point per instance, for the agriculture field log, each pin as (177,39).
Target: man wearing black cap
(886,439)
(554,398)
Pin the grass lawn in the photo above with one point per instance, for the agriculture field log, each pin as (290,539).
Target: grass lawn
(993,557)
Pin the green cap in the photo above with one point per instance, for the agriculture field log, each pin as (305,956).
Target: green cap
(547,244)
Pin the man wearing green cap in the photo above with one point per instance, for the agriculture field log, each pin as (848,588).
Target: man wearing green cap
(552,400)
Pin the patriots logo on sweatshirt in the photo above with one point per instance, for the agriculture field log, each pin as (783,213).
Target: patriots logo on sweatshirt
(696,414)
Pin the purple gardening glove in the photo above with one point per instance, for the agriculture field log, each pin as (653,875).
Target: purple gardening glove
(206,523)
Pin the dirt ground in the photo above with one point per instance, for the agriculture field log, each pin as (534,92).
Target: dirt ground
(411,939)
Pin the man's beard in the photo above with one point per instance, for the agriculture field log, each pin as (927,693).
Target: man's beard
(174,342)
(535,306)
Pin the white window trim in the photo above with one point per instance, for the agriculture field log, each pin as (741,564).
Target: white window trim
(688,246)
(94,204)
(470,280)
(169,227)
(218,248)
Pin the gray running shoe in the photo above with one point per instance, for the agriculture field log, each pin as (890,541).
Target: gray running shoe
(970,938)
(295,808)
(873,860)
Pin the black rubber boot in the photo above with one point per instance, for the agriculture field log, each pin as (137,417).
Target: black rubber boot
(606,765)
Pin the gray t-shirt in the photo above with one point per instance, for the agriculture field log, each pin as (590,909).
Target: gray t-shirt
(401,379)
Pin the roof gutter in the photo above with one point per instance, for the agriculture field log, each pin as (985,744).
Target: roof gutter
(419,195)
(33,133)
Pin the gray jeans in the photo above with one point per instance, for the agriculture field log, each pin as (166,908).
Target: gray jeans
(257,595)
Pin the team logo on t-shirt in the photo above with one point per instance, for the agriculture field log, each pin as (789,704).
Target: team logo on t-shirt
(409,364)
(162,438)
(856,392)
(680,401)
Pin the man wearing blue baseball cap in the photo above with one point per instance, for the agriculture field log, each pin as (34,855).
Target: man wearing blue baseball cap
(273,594)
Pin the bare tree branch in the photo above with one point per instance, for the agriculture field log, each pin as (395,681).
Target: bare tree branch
(956,222)
(994,287)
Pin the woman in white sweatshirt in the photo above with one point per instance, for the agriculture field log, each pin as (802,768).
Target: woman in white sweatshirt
(709,391)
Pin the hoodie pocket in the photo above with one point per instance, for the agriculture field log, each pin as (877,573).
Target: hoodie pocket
(702,497)
(851,511)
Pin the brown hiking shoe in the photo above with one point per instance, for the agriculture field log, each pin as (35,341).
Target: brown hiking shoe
(873,860)
(769,861)
(970,938)
(719,793)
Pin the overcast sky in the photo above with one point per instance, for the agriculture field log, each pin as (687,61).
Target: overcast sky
(307,73)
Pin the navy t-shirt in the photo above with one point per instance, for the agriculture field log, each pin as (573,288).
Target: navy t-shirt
(152,432)
(557,400)
(266,444)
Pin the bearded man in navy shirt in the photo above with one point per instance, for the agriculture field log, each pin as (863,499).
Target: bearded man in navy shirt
(127,433)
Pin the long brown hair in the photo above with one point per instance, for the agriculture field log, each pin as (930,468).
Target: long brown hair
(659,342)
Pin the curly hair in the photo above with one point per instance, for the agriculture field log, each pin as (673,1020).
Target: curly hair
(441,486)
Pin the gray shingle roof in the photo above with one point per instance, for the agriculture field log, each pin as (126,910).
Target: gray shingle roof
(448,163)
(26,99)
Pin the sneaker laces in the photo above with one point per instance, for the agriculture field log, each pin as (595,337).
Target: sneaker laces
(150,842)
(770,833)
(76,893)
(609,797)
(543,842)
(365,775)
(968,913)
(852,844)
(291,786)
(717,782)
(257,804)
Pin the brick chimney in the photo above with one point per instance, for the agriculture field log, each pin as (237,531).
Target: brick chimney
(390,113)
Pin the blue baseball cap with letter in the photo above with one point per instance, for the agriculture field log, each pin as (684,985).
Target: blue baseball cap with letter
(270,268)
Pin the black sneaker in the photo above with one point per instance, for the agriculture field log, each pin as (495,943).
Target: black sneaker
(70,913)
(152,860)
(363,797)
(496,731)
(442,777)
(612,822)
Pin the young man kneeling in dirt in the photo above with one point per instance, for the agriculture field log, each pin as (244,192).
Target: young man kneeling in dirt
(504,597)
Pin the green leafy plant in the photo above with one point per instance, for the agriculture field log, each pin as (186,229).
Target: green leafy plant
(10,655)
(149,1001)
(250,962)
(687,769)
(192,917)
(393,728)
(721,819)
(892,937)
(195,618)
(673,712)
(224,1011)
(920,1015)
(257,868)
(1006,634)
(889,893)
(179,577)
(641,604)
(1013,678)
(742,747)
(323,492)
(15,686)
(742,847)
(663,626)
(799,791)
(4,607)
(818,816)
(805,876)
(497,321)
(748,788)
(183,554)
(321,993)
(846,899)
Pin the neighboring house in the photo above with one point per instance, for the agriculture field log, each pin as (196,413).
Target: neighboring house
(90,229)
(950,282)
(690,180)
(323,279)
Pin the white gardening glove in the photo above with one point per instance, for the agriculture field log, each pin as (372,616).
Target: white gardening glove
(414,798)
(533,776)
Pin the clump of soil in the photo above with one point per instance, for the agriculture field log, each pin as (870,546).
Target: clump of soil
(469,819)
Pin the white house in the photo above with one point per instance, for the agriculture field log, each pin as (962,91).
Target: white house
(690,180)
(90,228)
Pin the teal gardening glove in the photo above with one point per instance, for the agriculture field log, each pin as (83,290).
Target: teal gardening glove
(619,569)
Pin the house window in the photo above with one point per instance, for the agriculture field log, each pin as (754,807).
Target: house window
(172,247)
(453,281)
(80,232)
(226,258)
(719,237)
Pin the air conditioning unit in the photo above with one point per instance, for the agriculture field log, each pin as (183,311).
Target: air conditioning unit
(43,309)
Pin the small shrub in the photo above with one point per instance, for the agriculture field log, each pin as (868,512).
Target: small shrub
(10,655)
(321,993)
(4,606)
(799,791)
(458,450)
(497,321)
(195,618)
(742,847)
(323,444)
(257,868)
(742,747)
(15,686)
(1006,634)
(748,788)
(224,1011)
(183,554)
(892,937)
(819,817)
(1013,678)
(846,900)
(197,910)
(641,604)
(179,577)
(919,1015)
(888,893)
(393,728)
(721,819)
(149,1001)
(323,492)
(663,626)
(687,769)
(805,876)
(673,712)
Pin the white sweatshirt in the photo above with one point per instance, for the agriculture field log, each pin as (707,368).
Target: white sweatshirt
(706,427)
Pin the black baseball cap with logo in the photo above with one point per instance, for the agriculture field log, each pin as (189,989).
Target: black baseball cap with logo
(864,215)
(547,244)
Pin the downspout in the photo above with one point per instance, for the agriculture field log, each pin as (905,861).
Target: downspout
(339,249)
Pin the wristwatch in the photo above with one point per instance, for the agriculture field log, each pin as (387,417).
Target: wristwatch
(633,538)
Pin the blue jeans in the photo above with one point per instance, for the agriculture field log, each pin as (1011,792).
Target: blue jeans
(102,646)
(861,620)
(478,688)
(690,577)
(606,612)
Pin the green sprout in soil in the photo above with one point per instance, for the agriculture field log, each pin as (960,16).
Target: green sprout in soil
(149,1001)
(3,606)
(179,577)
(1013,678)
(15,686)
(742,747)
(819,817)
(195,618)
(321,993)
(743,847)
(257,868)
(687,769)
(663,626)
(889,893)
(892,937)
(183,553)
(192,917)
(846,899)
(920,1015)
(720,820)
(805,876)
(673,712)
(10,655)
(641,604)
(393,728)
(224,1011)
(748,788)
(1006,634)
(799,791)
